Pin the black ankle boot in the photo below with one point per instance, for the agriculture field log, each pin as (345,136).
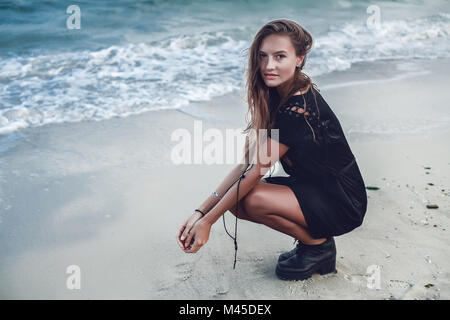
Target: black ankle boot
(311,259)
(287,255)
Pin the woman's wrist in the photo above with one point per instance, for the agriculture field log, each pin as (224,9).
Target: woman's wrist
(203,222)
(201,212)
(209,218)
(210,202)
(203,219)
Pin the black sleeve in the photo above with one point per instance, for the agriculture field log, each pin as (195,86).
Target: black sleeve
(291,127)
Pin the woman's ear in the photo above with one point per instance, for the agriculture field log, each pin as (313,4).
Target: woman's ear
(300,60)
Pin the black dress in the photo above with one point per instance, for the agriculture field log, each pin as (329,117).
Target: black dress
(323,173)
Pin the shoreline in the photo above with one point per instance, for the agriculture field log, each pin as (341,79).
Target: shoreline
(205,110)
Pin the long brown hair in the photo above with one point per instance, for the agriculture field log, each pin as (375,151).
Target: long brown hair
(263,101)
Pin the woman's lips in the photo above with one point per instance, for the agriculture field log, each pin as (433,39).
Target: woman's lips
(270,76)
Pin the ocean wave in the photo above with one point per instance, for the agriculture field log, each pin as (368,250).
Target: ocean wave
(340,47)
(169,73)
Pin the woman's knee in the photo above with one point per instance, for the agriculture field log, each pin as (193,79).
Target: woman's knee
(254,203)
(240,212)
(250,206)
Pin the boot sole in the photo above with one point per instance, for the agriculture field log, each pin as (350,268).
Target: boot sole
(323,268)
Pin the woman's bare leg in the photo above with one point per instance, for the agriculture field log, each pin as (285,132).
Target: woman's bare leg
(276,207)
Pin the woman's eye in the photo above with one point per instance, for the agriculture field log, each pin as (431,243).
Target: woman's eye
(279,56)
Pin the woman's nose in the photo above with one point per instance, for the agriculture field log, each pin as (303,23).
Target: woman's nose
(270,64)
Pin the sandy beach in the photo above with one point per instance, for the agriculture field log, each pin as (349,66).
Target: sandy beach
(106,197)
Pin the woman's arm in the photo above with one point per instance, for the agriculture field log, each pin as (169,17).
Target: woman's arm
(273,152)
(212,200)
(209,203)
(247,183)
(200,232)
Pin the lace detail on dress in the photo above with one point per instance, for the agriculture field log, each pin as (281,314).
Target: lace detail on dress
(312,117)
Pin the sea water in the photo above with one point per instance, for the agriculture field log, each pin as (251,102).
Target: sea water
(129,57)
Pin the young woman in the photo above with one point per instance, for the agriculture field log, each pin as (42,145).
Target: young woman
(324,194)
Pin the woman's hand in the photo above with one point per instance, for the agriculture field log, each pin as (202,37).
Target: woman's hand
(186,228)
(198,236)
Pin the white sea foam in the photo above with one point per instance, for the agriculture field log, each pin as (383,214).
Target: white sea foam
(169,73)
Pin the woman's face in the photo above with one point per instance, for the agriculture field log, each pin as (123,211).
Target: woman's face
(277,57)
